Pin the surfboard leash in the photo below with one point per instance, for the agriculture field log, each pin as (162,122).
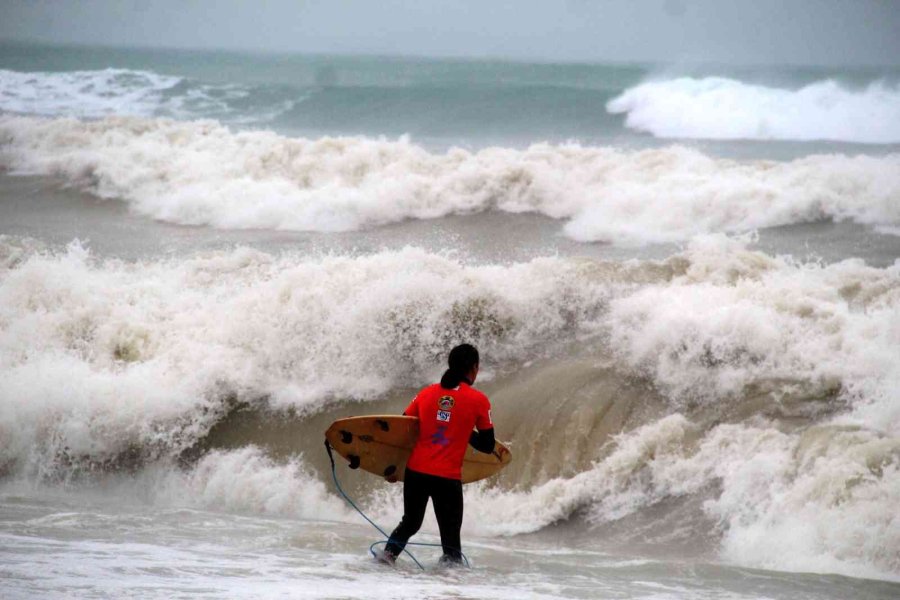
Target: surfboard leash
(387,538)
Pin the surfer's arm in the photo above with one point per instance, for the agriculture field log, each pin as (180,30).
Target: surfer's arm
(413,409)
(482,440)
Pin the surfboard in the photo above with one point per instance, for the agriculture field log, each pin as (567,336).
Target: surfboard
(381,444)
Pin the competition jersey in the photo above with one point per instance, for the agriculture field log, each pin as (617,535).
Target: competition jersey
(446,420)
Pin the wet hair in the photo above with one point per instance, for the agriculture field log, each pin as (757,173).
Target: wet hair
(462,359)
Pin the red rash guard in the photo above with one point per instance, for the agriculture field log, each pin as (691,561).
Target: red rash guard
(446,419)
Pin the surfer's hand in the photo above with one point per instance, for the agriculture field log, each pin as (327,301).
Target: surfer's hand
(500,451)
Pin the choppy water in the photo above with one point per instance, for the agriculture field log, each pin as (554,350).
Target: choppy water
(684,282)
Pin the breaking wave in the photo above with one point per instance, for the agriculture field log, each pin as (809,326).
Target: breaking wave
(760,391)
(202,173)
(720,108)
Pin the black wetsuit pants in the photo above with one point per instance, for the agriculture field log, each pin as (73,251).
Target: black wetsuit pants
(446,496)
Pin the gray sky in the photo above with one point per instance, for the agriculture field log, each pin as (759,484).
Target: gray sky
(743,31)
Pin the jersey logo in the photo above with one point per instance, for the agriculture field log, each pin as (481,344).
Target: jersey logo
(443,415)
(445,403)
(439,437)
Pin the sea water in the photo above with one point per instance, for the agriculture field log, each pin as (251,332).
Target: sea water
(683,280)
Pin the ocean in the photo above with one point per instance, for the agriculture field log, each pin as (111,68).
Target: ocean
(683,280)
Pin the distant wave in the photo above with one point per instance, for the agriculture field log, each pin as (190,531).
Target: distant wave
(719,108)
(202,173)
(84,93)
(108,92)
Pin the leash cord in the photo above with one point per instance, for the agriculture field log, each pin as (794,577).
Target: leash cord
(387,539)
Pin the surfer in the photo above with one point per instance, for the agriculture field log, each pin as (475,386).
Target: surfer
(448,412)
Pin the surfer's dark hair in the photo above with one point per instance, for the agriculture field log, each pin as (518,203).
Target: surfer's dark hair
(461,361)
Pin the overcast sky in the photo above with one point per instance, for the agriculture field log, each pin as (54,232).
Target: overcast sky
(743,31)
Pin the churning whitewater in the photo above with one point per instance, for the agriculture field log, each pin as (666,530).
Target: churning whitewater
(109,363)
(201,173)
(721,108)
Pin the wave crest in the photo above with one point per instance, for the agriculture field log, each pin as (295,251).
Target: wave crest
(720,108)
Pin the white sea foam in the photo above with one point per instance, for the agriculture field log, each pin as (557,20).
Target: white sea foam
(123,92)
(246,480)
(100,357)
(84,93)
(737,319)
(101,354)
(719,108)
(823,500)
(201,173)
